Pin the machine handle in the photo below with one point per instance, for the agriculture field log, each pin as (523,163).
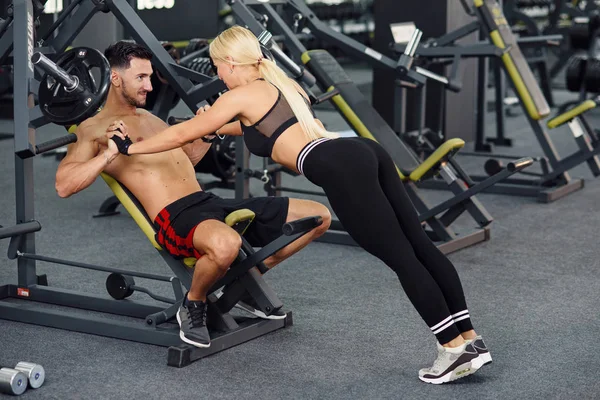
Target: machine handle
(177,120)
(519,164)
(55,143)
(301,225)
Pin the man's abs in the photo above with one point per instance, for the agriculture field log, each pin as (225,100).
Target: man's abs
(156,188)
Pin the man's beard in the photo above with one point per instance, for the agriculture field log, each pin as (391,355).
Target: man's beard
(130,100)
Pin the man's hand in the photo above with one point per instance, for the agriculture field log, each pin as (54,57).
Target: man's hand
(112,152)
(203,109)
(118,127)
(117,133)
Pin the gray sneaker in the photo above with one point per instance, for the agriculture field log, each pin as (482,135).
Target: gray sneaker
(192,323)
(450,366)
(485,357)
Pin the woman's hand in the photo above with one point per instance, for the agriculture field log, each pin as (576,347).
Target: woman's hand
(117,133)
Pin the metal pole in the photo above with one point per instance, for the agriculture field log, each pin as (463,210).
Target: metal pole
(24,134)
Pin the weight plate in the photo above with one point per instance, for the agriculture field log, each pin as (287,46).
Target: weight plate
(592,76)
(65,107)
(493,166)
(119,286)
(579,35)
(220,162)
(575,73)
(195,45)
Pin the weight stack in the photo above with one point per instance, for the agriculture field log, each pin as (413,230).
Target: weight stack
(583,73)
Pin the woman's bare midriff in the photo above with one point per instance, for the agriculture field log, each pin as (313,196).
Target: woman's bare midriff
(288,146)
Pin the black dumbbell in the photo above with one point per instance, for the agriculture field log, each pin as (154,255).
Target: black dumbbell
(575,72)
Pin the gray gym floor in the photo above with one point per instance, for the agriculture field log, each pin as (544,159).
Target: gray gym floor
(532,292)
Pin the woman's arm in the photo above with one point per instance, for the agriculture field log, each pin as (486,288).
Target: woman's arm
(227,106)
(233,128)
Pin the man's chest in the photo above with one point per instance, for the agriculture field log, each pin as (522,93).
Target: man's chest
(137,130)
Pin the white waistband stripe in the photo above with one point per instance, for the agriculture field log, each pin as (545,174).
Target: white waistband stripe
(307,149)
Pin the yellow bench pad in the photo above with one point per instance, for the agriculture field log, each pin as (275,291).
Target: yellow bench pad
(572,113)
(441,154)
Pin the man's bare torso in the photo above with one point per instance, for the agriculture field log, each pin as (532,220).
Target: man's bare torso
(156,180)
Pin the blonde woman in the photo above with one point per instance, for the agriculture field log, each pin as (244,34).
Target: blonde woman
(357,175)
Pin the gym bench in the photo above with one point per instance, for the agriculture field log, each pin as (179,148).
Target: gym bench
(24,301)
(157,327)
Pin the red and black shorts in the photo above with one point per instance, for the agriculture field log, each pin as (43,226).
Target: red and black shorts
(176,223)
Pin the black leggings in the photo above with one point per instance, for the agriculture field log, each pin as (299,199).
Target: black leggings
(367,195)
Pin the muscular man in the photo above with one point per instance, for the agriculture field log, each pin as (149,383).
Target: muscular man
(189,221)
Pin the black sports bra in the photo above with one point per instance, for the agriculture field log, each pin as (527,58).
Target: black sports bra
(261,136)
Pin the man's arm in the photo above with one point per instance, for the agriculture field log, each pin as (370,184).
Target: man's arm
(196,150)
(83,164)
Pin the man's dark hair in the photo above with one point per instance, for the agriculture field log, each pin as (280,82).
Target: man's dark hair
(119,54)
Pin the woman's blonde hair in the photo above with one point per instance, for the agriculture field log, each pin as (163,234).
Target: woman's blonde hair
(243,48)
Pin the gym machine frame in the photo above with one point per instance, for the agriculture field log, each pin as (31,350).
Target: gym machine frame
(554,181)
(31,287)
(560,8)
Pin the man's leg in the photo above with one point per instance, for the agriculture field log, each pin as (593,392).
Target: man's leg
(300,209)
(296,209)
(219,246)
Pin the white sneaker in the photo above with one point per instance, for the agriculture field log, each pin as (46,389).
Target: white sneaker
(484,354)
(450,365)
